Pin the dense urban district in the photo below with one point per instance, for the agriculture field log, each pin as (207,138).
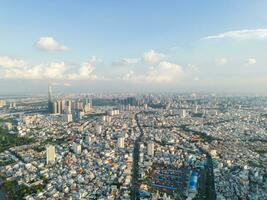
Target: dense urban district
(133,146)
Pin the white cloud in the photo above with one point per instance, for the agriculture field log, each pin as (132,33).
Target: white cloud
(126,61)
(84,72)
(42,71)
(50,44)
(164,72)
(241,34)
(94,60)
(55,70)
(251,61)
(129,76)
(152,57)
(221,61)
(52,71)
(8,62)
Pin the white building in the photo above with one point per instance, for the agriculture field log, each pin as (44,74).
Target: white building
(183,113)
(77,148)
(121,142)
(150,149)
(98,129)
(68,118)
(50,154)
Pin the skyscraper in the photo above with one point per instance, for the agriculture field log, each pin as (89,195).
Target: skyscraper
(50,100)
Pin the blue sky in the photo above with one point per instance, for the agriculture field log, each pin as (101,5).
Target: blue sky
(185,45)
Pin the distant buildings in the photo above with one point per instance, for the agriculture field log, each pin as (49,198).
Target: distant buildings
(50,154)
(113,112)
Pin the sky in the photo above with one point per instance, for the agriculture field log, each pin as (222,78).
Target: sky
(133,46)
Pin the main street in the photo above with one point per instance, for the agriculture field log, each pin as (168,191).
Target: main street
(136,155)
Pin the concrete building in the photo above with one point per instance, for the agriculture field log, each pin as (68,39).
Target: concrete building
(183,113)
(121,142)
(150,149)
(50,154)
(77,148)
(68,118)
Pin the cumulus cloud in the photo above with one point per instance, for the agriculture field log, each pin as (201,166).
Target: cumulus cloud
(251,61)
(50,44)
(221,61)
(8,62)
(241,34)
(152,57)
(53,71)
(84,72)
(129,76)
(42,71)
(164,72)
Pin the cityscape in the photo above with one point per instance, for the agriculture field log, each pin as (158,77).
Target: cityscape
(133,100)
(149,146)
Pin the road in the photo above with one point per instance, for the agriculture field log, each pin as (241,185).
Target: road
(136,156)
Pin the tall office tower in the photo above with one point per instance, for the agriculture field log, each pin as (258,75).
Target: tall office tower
(54,107)
(50,154)
(50,100)
(121,142)
(77,148)
(150,149)
(63,105)
(68,106)
(59,107)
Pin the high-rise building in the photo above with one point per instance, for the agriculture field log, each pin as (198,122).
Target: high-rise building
(50,154)
(54,108)
(2,103)
(150,149)
(12,104)
(68,106)
(59,107)
(50,100)
(121,142)
(68,118)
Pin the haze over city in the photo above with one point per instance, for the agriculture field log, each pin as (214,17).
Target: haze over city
(133,100)
(149,46)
